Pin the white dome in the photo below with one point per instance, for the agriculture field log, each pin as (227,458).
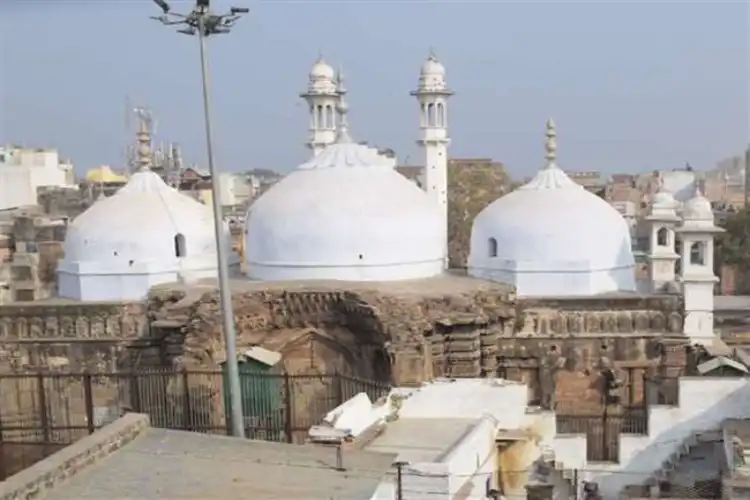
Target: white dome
(344,215)
(552,237)
(321,70)
(432,75)
(698,208)
(432,67)
(147,233)
(663,199)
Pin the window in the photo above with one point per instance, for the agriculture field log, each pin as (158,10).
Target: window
(697,254)
(492,247)
(662,237)
(329,124)
(180,250)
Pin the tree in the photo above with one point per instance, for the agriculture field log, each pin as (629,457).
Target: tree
(730,246)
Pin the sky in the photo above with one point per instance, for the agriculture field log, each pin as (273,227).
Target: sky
(632,86)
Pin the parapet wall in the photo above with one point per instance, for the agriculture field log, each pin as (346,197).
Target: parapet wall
(45,475)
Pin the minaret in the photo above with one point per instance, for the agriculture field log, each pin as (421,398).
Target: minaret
(697,234)
(321,96)
(342,110)
(143,152)
(550,143)
(662,220)
(433,95)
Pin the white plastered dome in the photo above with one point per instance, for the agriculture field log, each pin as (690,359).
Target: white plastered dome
(321,70)
(347,214)
(432,74)
(698,208)
(146,234)
(551,237)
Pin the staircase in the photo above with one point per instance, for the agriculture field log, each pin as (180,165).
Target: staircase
(566,473)
(652,487)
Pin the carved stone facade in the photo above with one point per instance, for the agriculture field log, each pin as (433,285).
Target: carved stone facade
(77,336)
(630,333)
(387,332)
(401,333)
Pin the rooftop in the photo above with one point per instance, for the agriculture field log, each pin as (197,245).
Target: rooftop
(421,439)
(448,284)
(166,464)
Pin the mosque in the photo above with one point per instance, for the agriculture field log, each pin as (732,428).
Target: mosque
(347,215)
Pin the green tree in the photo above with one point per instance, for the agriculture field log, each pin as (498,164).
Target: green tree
(730,246)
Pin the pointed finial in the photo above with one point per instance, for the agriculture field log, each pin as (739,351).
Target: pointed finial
(432,55)
(550,144)
(342,108)
(144,140)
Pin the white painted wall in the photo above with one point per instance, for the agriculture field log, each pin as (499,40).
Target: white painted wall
(705,402)
(501,405)
(23,171)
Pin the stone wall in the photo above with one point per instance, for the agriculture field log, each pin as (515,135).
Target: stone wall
(79,336)
(635,334)
(372,334)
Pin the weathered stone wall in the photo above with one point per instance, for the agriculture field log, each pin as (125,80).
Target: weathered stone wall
(79,336)
(633,333)
(372,334)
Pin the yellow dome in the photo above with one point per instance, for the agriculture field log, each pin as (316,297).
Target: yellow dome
(105,174)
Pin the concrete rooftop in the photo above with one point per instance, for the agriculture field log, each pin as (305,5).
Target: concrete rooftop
(164,464)
(421,439)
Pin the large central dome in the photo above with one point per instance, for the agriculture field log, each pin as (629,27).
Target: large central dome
(552,237)
(347,214)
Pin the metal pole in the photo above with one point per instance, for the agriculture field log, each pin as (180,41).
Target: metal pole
(399,479)
(225,292)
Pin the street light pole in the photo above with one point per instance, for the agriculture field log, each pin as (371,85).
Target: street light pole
(204,23)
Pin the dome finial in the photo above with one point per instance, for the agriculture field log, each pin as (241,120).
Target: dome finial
(144,138)
(342,108)
(550,144)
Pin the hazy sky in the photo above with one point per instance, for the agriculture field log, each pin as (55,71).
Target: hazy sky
(632,85)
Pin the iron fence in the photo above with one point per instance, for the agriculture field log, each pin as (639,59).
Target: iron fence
(43,412)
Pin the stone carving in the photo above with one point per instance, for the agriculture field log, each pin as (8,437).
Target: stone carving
(575,323)
(642,322)
(658,322)
(625,323)
(675,323)
(593,322)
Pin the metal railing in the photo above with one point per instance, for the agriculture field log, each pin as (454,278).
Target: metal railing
(43,412)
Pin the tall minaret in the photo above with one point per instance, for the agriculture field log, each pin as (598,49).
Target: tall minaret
(143,151)
(321,96)
(433,95)
(697,234)
(662,221)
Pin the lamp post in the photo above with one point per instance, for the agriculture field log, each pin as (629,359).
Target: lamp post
(204,23)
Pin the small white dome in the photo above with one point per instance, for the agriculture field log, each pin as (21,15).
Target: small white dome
(551,237)
(663,199)
(147,233)
(345,215)
(321,70)
(698,208)
(432,67)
